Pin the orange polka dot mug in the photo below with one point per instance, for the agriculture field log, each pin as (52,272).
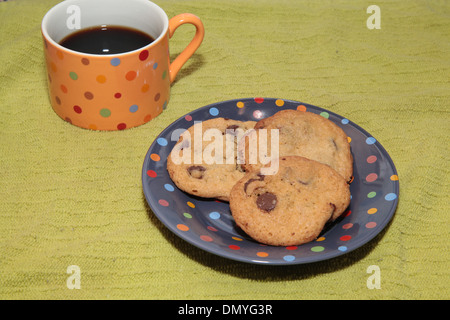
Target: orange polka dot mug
(112,91)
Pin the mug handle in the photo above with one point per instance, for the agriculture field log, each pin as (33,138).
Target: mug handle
(181,59)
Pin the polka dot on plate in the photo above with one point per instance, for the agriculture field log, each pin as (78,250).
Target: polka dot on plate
(240,104)
(371,159)
(288,258)
(345,238)
(370,225)
(151,174)
(345,121)
(325,114)
(262,254)
(85,61)
(213,111)
(371,194)
(182,227)
(155,65)
(169,187)
(291,248)
(371,177)
(206,238)
(279,102)
(234,247)
(370,140)
(259,100)
(394,177)
(115,62)
(211,229)
(190,204)
(188,118)
(372,210)
(317,249)
(301,108)
(187,215)
(342,248)
(145,88)
(163,202)
(390,196)
(347,226)
(214,215)
(162,142)
(117,95)
(155,157)
(63,88)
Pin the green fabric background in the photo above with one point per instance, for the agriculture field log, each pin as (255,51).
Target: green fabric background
(70,196)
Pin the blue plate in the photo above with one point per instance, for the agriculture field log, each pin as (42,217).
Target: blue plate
(209,225)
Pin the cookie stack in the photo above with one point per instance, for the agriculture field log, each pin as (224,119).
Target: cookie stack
(286,205)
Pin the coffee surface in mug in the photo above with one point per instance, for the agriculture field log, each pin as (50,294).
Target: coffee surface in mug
(106,40)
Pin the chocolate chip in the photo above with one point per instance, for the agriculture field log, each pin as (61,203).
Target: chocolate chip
(302,182)
(266,201)
(260,178)
(247,183)
(196,171)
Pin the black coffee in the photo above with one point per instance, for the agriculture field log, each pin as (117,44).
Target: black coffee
(106,40)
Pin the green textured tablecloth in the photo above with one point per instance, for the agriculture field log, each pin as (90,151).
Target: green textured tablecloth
(70,196)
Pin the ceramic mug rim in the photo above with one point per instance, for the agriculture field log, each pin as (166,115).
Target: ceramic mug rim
(45,25)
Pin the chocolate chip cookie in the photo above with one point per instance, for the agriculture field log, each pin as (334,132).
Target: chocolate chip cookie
(301,134)
(292,206)
(203,161)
